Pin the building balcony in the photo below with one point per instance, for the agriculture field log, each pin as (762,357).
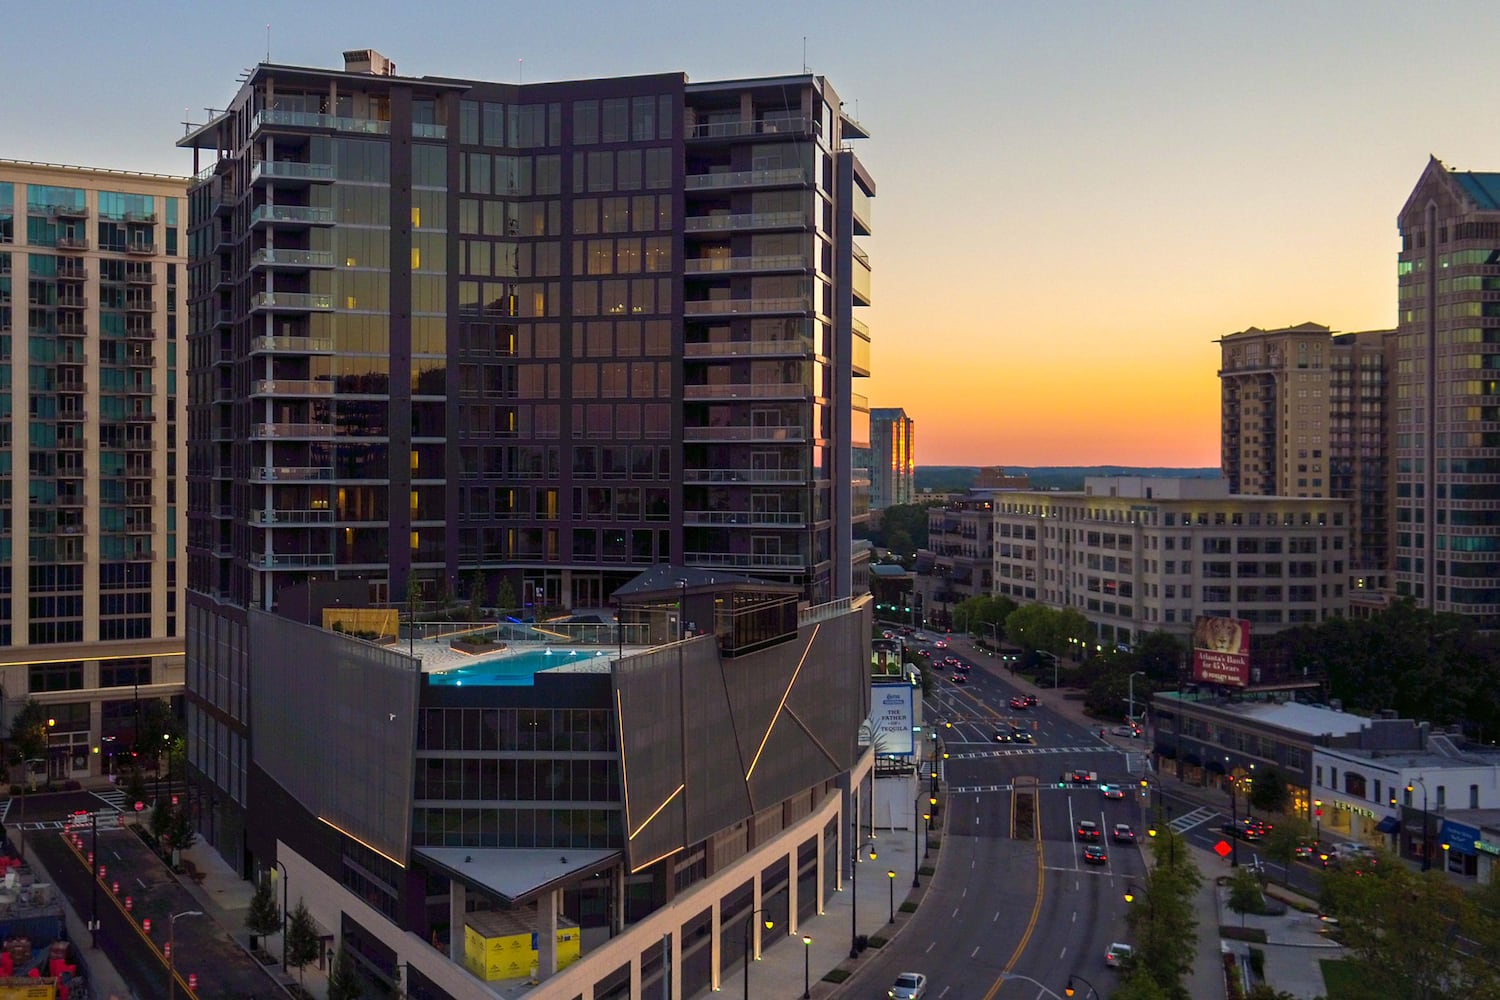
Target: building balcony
(276,120)
(142,278)
(766,435)
(291,345)
(289,302)
(786,127)
(283,431)
(291,474)
(140,305)
(78,386)
(71,500)
(747,390)
(140,528)
(751,220)
(71,244)
(860,327)
(78,273)
(745,307)
(299,260)
(744,518)
(72,302)
(290,215)
(731,265)
(290,560)
(291,172)
(747,349)
(140,331)
(140,248)
(140,499)
(783,177)
(73,416)
(745,477)
(68,211)
(73,357)
(291,387)
(744,560)
(68,529)
(74,472)
(291,518)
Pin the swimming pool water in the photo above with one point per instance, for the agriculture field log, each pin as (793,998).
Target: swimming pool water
(513,668)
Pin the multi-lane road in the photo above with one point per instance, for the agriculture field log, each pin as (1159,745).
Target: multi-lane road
(1014,908)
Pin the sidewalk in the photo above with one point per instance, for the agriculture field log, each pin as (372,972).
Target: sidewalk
(779,973)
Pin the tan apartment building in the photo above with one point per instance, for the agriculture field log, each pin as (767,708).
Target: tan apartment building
(1304,415)
(1136,555)
(92,397)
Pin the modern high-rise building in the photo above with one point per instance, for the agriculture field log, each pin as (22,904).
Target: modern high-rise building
(446,333)
(893,463)
(93,282)
(1445,399)
(1304,415)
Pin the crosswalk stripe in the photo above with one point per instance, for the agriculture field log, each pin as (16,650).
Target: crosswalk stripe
(1199,816)
(1027,751)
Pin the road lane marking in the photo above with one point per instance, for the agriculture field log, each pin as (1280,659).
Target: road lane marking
(930,947)
(974,952)
(1036,910)
(996,918)
(955,912)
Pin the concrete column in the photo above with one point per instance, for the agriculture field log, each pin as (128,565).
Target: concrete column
(791,890)
(757,920)
(822,849)
(546,933)
(676,971)
(715,947)
(457,907)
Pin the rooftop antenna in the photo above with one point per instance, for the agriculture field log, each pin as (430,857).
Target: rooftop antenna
(520,70)
(268,42)
(804,53)
(187,125)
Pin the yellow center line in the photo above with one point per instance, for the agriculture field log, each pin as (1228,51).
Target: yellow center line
(1036,909)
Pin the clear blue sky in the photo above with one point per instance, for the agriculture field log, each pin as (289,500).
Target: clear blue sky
(1075,199)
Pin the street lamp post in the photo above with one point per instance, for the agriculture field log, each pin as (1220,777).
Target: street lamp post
(890,875)
(1318,824)
(171,957)
(1131,711)
(1426,852)
(748,922)
(927,834)
(1234,824)
(916,833)
(278,864)
(854,885)
(806,967)
(1069,990)
(682,609)
(620,633)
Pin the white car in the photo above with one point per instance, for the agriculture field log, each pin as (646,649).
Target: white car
(908,986)
(1117,953)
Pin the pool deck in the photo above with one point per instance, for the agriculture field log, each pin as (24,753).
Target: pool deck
(439,658)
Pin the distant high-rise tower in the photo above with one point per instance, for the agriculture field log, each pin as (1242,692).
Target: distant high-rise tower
(1445,395)
(892,457)
(1303,415)
(93,281)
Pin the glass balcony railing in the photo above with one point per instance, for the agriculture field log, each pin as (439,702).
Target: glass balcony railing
(290,300)
(274,117)
(767,435)
(723,265)
(290,387)
(754,220)
(746,348)
(305,214)
(729,307)
(746,390)
(762,126)
(267,257)
(291,170)
(746,178)
(290,473)
(749,477)
(291,345)
(744,560)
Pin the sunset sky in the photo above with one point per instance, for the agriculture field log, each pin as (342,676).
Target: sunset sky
(1074,199)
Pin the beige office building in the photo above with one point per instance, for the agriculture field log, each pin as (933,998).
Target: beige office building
(1304,415)
(92,287)
(1135,555)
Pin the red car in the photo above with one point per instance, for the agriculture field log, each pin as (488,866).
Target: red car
(960,678)
(1018,703)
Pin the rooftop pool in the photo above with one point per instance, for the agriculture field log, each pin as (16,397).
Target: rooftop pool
(516,669)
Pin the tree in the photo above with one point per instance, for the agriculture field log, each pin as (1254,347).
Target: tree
(264,916)
(302,941)
(505,595)
(161,821)
(1139,985)
(1284,839)
(135,785)
(180,832)
(28,732)
(343,984)
(1268,791)
(477,589)
(1244,892)
(1165,923)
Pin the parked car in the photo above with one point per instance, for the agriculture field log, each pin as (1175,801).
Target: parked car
(1117,953)
(908,986)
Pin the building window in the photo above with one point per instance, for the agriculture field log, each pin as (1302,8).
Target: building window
(56,676)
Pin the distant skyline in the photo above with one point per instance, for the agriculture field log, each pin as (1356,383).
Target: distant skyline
(1075,200)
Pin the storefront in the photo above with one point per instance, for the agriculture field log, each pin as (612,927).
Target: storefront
(1460,844)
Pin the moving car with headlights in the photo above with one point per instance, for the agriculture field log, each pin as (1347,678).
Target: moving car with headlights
(1112,791)
(1080,777)
(908,986)
(1020,735)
